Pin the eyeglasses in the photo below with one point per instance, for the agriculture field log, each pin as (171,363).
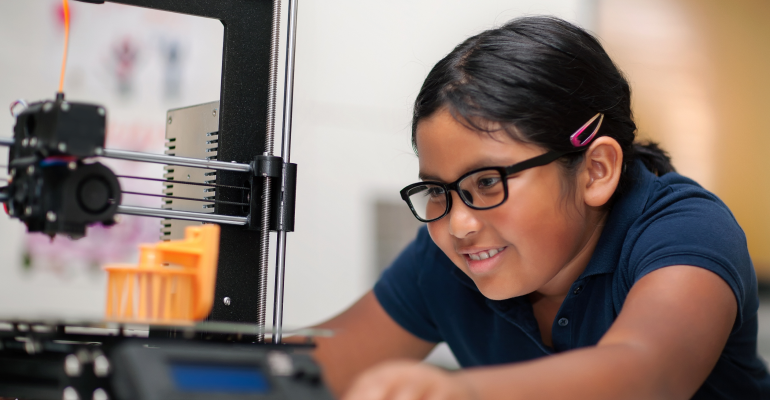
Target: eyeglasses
(484,188)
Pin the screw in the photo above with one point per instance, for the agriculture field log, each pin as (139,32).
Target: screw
(65,106)
(72,366)
(28,210)
(214,113)
(280,363)
(32,347)
(50,216)
(47,107)
(33,142)
(100,394)
(98,151)
(101,111)
(169,120)
(70,393)
(101,366)
(227,301)
(62,147)
(72,165)
(13,171)
(25,142)
(31,169)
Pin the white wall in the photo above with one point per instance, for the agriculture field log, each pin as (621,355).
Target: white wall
(359,67)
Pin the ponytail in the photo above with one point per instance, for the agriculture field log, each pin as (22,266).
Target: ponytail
(653,157)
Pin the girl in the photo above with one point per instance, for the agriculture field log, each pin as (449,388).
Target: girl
(560,259)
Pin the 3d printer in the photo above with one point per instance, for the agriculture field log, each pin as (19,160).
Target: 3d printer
(57,186)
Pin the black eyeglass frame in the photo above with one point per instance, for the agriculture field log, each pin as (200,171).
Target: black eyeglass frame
(505,172)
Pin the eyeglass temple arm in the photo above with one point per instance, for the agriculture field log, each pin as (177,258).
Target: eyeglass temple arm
(536,162)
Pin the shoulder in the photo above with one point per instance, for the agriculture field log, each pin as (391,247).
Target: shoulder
(681,217)
(678,196)
(678,222)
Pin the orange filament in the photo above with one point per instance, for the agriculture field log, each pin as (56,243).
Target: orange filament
(66,44)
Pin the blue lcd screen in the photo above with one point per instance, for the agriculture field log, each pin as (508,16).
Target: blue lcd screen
(218,378)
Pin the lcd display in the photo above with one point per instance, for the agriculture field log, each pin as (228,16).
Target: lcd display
(190,377)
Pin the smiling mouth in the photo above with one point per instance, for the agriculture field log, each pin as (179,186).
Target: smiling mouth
(483,255)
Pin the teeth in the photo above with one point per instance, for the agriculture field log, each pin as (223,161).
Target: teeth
(483,255)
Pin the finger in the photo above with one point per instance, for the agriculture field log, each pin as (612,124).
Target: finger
(372,385)
(451,389)
(409,389)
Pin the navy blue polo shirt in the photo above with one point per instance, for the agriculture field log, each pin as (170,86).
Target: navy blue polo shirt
(658,222)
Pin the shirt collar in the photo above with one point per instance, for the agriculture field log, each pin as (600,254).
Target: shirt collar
(627,209)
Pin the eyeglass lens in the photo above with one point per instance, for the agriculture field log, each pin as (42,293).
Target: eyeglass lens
(481,190)
(428,201)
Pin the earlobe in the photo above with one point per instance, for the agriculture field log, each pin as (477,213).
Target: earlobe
(604,165)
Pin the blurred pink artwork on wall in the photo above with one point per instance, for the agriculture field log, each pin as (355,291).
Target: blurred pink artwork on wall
(121,64)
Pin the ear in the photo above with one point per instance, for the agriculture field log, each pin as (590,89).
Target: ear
(603,166)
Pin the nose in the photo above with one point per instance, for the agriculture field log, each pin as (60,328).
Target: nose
(462,221)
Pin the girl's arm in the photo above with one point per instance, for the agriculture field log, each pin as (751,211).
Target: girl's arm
(364,335)
(672,329)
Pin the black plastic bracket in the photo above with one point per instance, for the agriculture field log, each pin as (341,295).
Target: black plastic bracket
(288,195)
(267,166)
(283,180)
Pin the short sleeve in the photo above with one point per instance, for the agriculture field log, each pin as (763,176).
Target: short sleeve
(399,289)
(695,228)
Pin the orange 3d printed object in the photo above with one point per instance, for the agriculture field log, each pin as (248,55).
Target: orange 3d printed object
(173,283)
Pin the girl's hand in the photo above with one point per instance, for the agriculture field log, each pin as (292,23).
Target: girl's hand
(409,380)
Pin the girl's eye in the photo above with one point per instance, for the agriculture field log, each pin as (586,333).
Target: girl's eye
(435,191)
(488,182)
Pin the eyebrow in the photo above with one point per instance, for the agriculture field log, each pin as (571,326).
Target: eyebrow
(424,177)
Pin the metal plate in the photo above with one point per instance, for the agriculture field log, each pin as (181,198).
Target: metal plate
(190,132)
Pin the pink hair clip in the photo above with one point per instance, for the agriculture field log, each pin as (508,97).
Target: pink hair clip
(574,138)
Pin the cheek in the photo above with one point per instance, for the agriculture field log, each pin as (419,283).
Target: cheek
(536,221)
(538,226)
(439,232)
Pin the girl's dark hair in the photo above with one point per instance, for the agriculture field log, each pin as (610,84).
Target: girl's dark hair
(540,78)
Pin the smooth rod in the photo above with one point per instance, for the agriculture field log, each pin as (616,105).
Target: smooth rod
(185,215)
(174,160)
(162,159)
(288,105)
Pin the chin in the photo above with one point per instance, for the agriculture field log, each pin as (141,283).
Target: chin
(494,291)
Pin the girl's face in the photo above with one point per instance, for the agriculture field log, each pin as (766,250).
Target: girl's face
(536,241)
